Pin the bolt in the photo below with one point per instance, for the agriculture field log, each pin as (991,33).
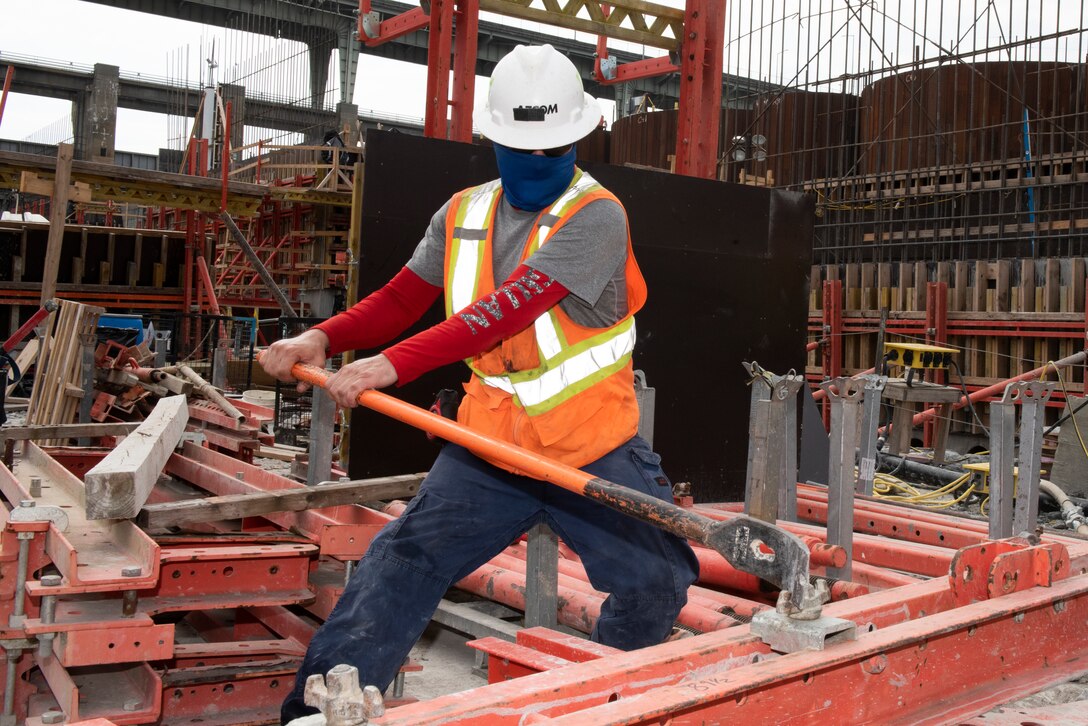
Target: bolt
(35,486)
(51,580)
(52,717)
(240,475)
(26,503)
(132,704)
(131,571)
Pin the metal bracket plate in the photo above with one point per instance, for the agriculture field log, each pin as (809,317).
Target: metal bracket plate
(788,635)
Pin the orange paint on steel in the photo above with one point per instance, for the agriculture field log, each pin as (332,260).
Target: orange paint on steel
(538,466)
(7,86)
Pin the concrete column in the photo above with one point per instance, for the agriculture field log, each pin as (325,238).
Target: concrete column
(320,53)
(236,95)
(347,122)
(95,116)
(348,46)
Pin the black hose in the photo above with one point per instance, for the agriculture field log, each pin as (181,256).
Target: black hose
(913,471)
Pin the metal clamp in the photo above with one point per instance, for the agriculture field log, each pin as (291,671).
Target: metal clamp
(30,511)
(339,697)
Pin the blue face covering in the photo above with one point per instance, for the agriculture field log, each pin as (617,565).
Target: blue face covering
(531,181)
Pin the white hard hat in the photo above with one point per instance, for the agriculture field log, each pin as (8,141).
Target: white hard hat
(536,101)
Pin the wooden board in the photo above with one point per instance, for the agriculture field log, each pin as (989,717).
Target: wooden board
(118,486)
(25,359)
(238,506)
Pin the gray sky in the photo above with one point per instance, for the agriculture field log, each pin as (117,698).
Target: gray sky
(86,33)
(792,42)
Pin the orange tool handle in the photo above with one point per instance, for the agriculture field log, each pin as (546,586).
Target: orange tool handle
(534,465)
(734,540)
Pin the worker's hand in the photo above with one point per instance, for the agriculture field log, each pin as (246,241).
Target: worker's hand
(347,383)
(309,347)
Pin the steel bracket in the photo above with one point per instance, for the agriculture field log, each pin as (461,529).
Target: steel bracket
(992,569)
(40,513)
(788,635)
(371,24)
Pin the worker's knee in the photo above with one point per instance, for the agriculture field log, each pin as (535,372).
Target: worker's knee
(637,622)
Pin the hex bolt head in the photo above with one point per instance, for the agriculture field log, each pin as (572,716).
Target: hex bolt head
(132,704)
(131,571)
(26,503)
(52,717)
(51,580)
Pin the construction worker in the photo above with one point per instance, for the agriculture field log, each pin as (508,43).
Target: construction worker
(540,288)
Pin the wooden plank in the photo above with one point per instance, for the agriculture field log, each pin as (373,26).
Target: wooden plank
(67,431)
(1026,286)
(868,285)
(118,486)
(31,183)
(1002,271)
(25,359)
(921,284)
(884,285)
(900,296)
(58,209)
(238,506)
(1052,285)
(273,452)
(1076,283)
(961,274)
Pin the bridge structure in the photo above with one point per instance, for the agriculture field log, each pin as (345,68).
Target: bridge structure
(323,26)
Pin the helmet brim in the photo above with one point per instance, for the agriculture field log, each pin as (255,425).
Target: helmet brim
(529,138)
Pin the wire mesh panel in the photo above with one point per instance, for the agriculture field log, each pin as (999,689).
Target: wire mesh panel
(224,351)
(293,409)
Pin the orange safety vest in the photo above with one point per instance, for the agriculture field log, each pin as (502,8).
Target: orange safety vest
(557,388)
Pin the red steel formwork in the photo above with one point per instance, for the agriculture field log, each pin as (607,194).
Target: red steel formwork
(935,326)
(167,628)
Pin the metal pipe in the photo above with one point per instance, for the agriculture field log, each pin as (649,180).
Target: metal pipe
(15,620)
(881,551)
(48,612)
(24,330)
(701,612)
(7,86)
(901,527)
(1072,360)
(208,391)
(1073,514)
(9,682)
(915,471)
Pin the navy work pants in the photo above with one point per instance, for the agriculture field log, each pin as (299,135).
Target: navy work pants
(466,512)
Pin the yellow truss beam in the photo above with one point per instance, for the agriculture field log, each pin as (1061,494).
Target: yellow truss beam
(636,21)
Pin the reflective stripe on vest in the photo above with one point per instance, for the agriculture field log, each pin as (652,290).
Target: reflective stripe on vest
(564,370)
(474,215)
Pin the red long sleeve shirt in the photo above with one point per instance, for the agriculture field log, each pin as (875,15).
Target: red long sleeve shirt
(520,300)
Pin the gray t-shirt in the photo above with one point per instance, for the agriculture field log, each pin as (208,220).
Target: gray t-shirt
(587,255)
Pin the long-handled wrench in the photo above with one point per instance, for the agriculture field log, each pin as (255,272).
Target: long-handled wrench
(749,545)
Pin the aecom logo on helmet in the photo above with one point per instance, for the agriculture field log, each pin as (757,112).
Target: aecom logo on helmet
(534,113)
